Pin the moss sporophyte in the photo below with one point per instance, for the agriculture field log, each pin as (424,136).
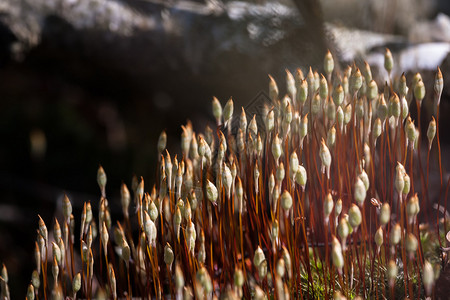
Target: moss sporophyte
(327,197)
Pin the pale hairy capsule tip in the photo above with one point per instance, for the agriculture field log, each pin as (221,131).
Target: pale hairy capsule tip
(343,228)
(177,219)
(276,147)
(301,176)
(270,121)
(315,105)
(328,63)
(83,220)
(253,127)
(293,162)
(187,211)
(287,260)
(125,254)
(354,216)
(431,132)
(323,87)
(4,276)
(399,181)
(388,60)
(382,110)
(356,80)
(56,252)
(162,141)
(394,108)
(57,230)
(259,294)
(168,255)
(412,208)
(338,207)
(340,117)
(359,108)
(402,87)
(227,179)
(365,179)
(55,269)
(302,92)
(336,254)
(407,185)
(376,129)
(228,110)
(43,229)
(274,230)
(328,205)
(338,296)
(35,279)
(211,192)
(395,235)
(331,137)
(239,195)
(101,178)
(303,128)
(202,145)
(385,213)
(216,109)
(404,107)
(438,84)
(258,257)
(153,211)
(338,95)
(191,236)
(411,243)
(286,200)
(280,267)
(67,208)
(417,77)
(76,283)
(416,138)
(271,182)
(345,83)
(280,173)
(30,292)
(88,213)
(179,277)
(185,141)
(243,120)
(419,91)
(372,90)
(299,76)
(256,174)
(367,72)
(391,272)
(204,279)
(379,237)
(262,269)
(325,157)
(273,89)
(347,113)
(316,81)
(290,84)
(193,149)
(238,277)
(104,236)
(428,277)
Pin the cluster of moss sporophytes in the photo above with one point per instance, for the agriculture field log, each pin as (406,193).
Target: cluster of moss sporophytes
(322,199)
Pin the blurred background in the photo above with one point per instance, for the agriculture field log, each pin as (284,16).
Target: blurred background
(89,82)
